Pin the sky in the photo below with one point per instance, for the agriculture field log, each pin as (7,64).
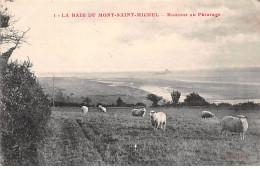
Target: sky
(138,44)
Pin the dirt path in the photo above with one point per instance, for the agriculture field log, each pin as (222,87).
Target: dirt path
(67,145)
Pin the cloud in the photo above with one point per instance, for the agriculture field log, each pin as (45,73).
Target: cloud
(238,39)
(139,44)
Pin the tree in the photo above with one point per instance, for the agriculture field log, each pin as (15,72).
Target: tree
(194,99)
(120,102)
(9,37)
(86,100)
(175,97)
(24,106)
(26,114)
(154,98)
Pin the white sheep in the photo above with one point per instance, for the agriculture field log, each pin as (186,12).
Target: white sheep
(158,119)
(138,112)
(84,109)
(102,109)
(206,114)
(234,124)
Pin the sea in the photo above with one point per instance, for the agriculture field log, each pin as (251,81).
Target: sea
(215,85)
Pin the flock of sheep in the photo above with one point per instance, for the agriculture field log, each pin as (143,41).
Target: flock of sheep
(84,109)
(158,120)
(229,123)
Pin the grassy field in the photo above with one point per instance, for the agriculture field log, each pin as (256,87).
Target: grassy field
(109,139)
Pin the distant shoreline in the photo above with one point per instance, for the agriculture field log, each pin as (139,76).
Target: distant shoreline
(83,87)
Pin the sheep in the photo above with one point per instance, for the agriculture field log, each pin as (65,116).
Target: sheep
(206,114)
(84,109)
(234,124)
(158,119)
(102,109)
(138,112)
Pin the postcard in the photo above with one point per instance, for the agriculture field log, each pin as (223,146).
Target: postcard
(130,83)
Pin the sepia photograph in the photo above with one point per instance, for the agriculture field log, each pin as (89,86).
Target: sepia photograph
(130,83)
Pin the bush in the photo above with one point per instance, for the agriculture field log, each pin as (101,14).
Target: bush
(175,97)
(120,102)
(154,98)
(25,116)
(194,99)
(4,20)
(225,105)
(246,105)
(140,104)
(170,104)
(86,100)
(129,105)
(60,96)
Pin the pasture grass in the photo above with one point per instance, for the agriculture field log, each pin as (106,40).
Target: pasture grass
(110,139)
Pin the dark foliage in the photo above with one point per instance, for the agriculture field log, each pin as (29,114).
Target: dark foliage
(175,97)
(239,106)
(154,98)
(86,100)
(140,104)
(25,116)
(225,105)
(60,96)
(246,105)
(4,20)
(194,99)
(120,102)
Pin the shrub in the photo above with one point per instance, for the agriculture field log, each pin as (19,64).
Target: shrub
(224,105)
(25,116)
(86,100)
(130,105)
(246,105)
(140,104)
(60,96)
(175,97)
(154,98)
(120,102)
(169,104)
(4,20)
(194,99)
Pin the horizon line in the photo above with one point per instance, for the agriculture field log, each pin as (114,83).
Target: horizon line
(152,71)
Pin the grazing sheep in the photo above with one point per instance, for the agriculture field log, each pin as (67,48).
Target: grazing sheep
(234,124)
(158,119)
(206,114)
(102,109)
(84,109)
(138,112)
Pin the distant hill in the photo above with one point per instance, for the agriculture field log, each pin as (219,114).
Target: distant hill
(97,91)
